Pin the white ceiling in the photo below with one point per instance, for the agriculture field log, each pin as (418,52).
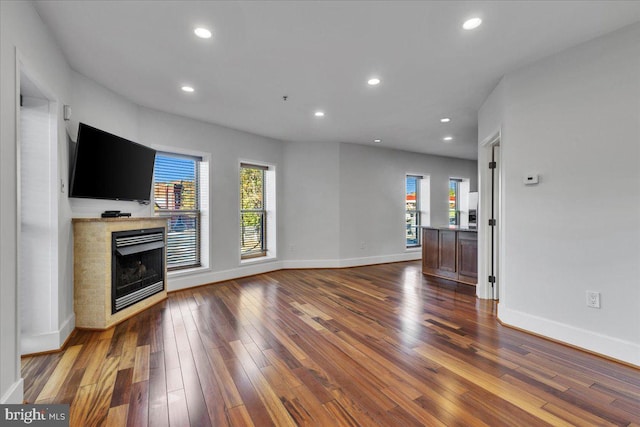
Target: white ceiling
(320,54)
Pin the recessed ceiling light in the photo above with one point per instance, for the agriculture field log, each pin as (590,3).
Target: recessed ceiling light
(472,23)
(203,33)
(188,89)
(445,120)
(447,138)
(374,81)
(319,113)
(377,141)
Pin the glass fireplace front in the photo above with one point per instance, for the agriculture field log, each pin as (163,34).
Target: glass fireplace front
(137,267)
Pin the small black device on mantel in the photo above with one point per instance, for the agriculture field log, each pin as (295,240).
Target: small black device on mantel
(114,214)
(107,166)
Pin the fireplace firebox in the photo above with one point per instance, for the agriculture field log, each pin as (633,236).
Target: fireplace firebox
(137,266)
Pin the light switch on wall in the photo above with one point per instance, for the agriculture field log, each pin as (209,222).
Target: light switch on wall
(531,179)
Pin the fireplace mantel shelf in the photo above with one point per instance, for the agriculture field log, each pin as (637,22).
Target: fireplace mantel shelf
(92,267)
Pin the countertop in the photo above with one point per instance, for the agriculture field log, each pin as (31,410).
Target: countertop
(120,219)
(450,227)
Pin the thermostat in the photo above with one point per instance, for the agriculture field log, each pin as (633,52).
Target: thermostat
(530,179)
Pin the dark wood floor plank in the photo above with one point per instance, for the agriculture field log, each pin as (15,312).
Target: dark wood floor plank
(36,372)
(213,398)
(248,394)
(278,413)
(239,417)
(138,413)
(226,384)
(68,390)
(122,388)
(59,375)
(372,346)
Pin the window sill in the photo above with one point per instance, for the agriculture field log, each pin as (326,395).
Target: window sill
(257,260)
(413,249)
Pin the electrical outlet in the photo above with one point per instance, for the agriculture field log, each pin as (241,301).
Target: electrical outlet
(593,299)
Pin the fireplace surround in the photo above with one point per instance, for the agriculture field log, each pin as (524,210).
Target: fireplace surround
(139,264)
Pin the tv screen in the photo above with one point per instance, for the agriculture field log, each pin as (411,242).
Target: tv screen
(107,166)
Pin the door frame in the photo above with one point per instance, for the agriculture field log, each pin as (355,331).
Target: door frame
(53,338)
(484,289)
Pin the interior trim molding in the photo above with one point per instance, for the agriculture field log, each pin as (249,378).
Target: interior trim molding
(14,394)
(624,351)
(48,341)
(380,259)
(208,277)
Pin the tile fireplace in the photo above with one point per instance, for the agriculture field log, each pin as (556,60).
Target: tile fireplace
(119,268)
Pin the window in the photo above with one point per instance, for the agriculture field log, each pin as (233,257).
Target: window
(253,213)
(454,201)
(412,214)
(177,196)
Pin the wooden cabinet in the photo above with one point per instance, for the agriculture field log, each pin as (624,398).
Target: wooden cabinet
(468,257)
(430,251)
(447,264)
(450,254)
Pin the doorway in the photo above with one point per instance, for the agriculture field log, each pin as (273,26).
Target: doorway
(37,218)
(494,220)
(490,219)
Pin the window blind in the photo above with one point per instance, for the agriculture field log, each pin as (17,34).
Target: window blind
(176,197)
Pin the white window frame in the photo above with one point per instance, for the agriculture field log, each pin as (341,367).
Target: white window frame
(270,211)
(462,201)
(205,210)
(423,205)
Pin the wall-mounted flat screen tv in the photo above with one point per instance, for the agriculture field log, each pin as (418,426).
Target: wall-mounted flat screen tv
(106,166)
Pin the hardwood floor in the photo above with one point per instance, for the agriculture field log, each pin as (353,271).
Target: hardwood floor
(368,346)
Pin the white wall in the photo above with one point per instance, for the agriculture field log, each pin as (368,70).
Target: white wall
(97,106)
(345,203)
(311,221)
(573,118)
(20,29)
(227,147)
(372,204)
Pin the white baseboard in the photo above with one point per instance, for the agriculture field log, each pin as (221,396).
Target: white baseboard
(185,281)
(615,348)
(380,259)
(48,341)
(15,393)
(350,262)
(66,329)
(310,263)
(199,279)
